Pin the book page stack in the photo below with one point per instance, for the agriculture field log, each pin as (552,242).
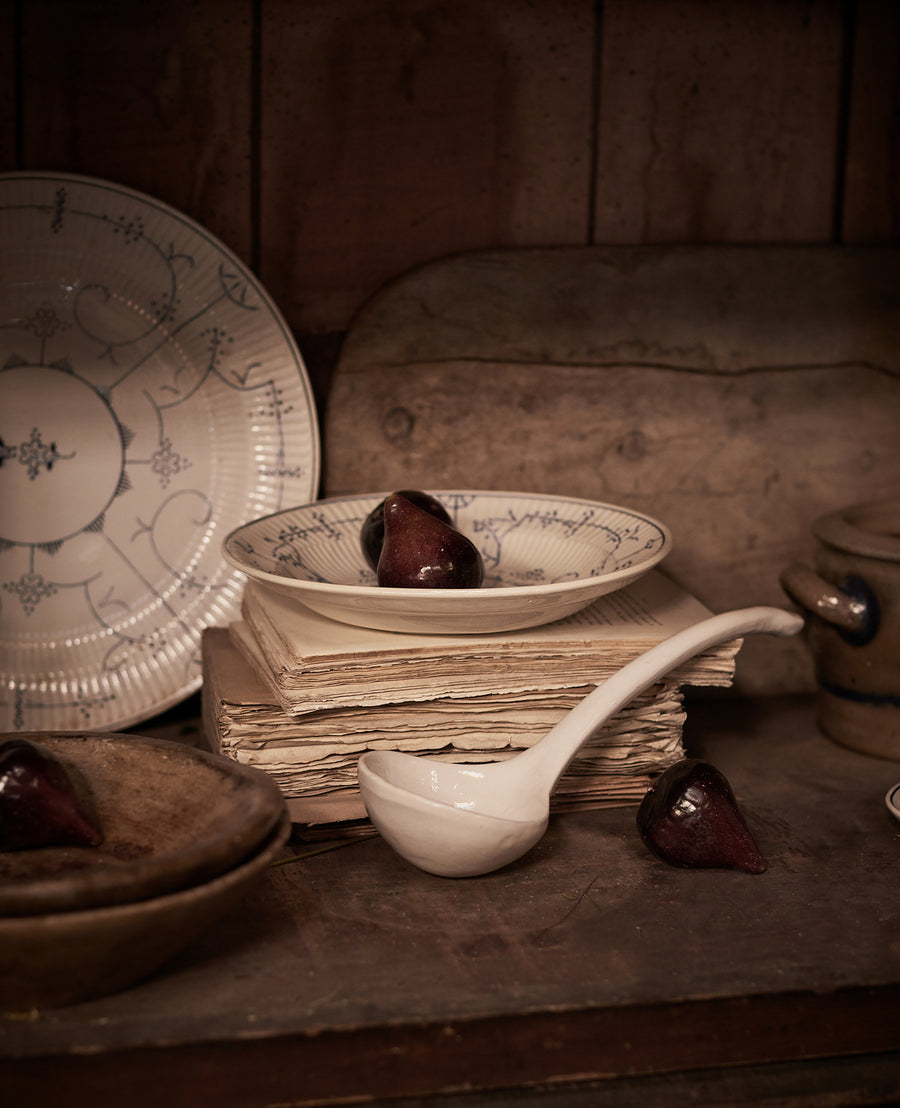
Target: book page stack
(303,696)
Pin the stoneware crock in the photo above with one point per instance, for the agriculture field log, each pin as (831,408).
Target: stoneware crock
(853,600)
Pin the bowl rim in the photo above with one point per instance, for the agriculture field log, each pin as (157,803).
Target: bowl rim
(158,874)
(263,855)
(892,800)
(863,529)
(499,592)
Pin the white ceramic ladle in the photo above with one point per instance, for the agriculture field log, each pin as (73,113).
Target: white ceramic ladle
(465,820)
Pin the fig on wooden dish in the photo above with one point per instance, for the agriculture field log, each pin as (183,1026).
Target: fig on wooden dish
(39,803)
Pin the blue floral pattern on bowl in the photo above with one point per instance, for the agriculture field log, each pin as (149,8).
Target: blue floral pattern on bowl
(545,557)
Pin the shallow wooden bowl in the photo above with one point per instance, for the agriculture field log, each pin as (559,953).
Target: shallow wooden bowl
(172,817)
(62,958)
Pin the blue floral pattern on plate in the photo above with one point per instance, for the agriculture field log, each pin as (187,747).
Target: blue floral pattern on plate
(151,399)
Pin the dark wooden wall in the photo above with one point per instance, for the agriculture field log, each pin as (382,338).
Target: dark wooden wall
(334,144)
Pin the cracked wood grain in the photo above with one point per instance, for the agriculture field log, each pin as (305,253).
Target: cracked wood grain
(735,393)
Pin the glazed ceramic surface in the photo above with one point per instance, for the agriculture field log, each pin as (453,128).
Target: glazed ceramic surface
(893,800)
(51,960)
(545,557)
(853,595)
(457,820)
(151,399)
(171,816)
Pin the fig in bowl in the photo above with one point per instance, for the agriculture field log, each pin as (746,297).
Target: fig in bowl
(372,532)
(420,551)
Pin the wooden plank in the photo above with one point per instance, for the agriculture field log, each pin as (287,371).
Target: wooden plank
(588,959)
(395,134)
(8,95)
(718,122)
(735,393)
(156,97)
(548,1061)
(872,187)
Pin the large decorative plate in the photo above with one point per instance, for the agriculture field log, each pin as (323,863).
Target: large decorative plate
(152,399)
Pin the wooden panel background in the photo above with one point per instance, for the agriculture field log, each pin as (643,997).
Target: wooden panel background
(337,144)
(718,122)
(871,212)
(334,144)
(153,96)
(7,85)
(392,134)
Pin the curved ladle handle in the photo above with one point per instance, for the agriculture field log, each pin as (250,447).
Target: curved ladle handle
(552,754)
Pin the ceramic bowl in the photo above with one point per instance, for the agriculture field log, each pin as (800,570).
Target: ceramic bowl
(892,799)
(172,817)
(852,595)
(545,557)
(47,961)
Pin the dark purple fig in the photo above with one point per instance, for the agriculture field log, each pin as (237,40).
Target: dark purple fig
(422,552)
(39,805)
(690,818)
(372,533)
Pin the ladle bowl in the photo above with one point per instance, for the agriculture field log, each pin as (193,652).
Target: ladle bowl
(462,821)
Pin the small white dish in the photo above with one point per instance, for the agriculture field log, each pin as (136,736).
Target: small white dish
(545,558)
(151,400)
(893,800)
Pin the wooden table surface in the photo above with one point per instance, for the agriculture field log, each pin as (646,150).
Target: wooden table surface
(588,973)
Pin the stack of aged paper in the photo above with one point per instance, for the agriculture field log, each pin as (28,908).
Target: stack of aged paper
(302,696)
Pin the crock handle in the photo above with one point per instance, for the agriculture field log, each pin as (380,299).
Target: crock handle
(822,598)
